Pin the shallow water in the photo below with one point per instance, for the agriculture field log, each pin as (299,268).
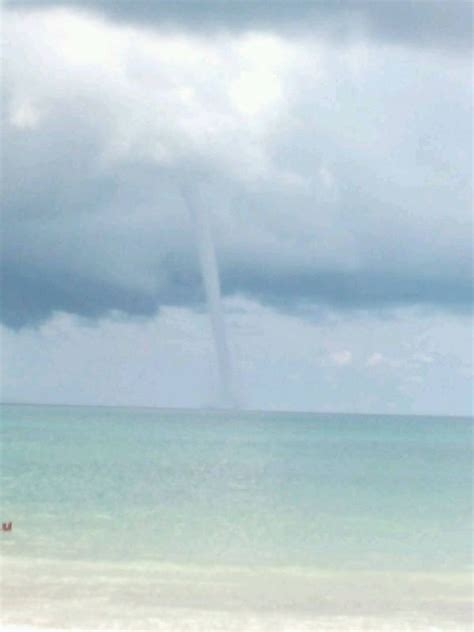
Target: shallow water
(147,514)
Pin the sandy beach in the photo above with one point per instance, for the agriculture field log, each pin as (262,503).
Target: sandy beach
(45,594)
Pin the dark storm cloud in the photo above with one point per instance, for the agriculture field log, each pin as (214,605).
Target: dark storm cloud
(31,295)
(432,23)
(338,178)
(364,289)
(75,241)
(89,263)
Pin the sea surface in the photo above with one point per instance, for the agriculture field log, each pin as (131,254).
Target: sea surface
(180,520)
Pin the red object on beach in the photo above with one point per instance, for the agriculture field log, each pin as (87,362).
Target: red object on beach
(6,526)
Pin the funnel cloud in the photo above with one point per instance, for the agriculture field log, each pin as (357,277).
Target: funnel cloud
(210,276)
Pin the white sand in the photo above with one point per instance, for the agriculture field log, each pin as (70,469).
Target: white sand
(54,595)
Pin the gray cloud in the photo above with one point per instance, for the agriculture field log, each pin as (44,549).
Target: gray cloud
(431,23)
(346,182)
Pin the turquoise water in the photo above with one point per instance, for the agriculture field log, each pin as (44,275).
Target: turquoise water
(253,488)
(339,494)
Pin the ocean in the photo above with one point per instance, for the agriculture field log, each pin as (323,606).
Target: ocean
(203,520)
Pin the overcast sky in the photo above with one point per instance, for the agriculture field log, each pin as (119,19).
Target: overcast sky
(331,143)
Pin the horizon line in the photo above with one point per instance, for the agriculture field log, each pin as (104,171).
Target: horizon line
(237,410)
